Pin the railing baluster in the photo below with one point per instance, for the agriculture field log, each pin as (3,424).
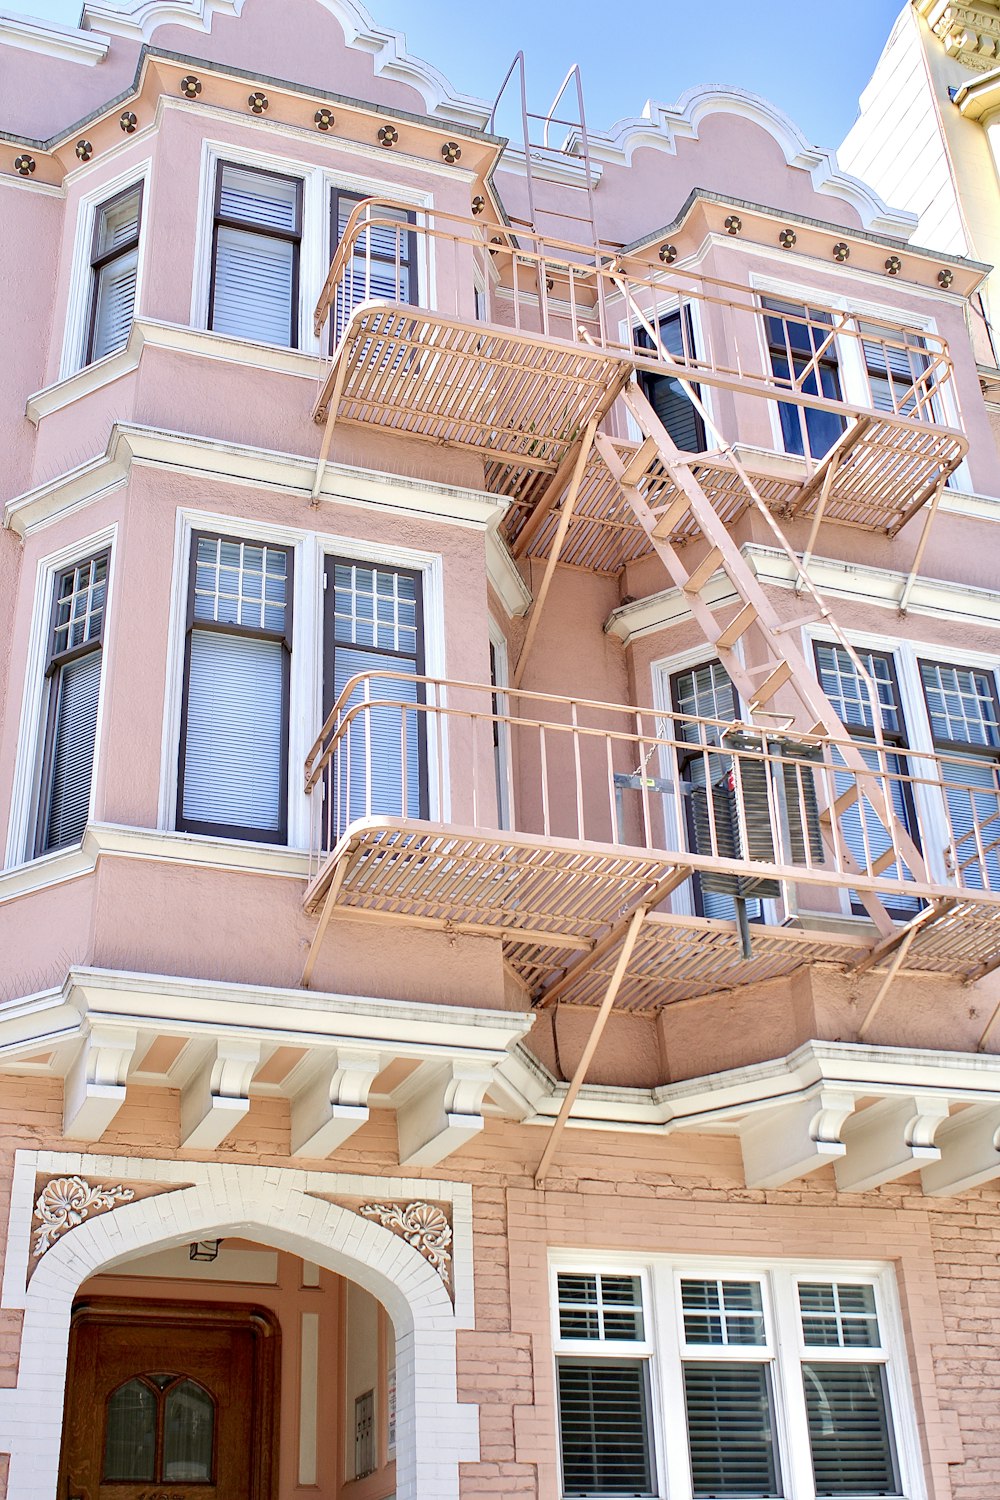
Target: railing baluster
(579,772)
(546,828)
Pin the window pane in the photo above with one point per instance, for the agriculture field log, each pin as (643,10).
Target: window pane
(79,605)
(600,1307)
(259,198)
(730,1430)
(76,685)
(667,397)
(722,1312)
(235,721)
(847,689)
(838,1316)
(961,704)
(253,286)
(188,1434)
(379,763)
(604,1427)
(115,294)
(852,1449)
(118,223)
(241,583)
(130,1433)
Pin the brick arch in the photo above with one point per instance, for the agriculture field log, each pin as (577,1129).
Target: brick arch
(434,1432)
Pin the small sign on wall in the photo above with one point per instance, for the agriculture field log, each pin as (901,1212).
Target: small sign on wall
(390,1405)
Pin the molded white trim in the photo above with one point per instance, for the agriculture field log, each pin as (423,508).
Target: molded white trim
(501,570)
(67,43)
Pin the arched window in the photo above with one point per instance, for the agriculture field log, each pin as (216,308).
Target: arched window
(159,1427)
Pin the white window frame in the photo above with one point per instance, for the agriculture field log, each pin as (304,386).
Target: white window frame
(665,1348)
(73,355)
(850,357)
(315,248)
(505,790)
(24,803)
(310,551)
(670,303)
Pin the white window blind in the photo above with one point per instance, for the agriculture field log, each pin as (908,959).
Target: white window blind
(233,770)
(72,767)
(232,756)
(256,256)
(115,267)
(964,716)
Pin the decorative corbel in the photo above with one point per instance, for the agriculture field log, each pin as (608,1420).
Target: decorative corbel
(217,1096)
(440,1109)
(789,1141)
(94,1089)
(332,1104)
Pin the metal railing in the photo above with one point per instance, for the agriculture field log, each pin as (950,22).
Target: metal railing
(521,281)
(747,808)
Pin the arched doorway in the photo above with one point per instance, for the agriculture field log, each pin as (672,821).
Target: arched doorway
(280,1213)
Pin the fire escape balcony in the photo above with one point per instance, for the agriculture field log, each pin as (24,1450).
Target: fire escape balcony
(547,821)
(504,343)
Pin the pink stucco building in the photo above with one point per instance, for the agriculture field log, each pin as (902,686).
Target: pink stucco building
(499,754)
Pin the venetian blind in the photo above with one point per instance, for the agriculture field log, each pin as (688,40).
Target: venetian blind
(232,749)
(665,394)
(254,273)
(604,1427)
(849,1435)
(730,1429)
(77,685)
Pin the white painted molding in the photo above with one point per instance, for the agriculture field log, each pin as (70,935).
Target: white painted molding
(67,43)
(501,571)
(217,1097)
(94,1090)
(332,1103)
(970,1153)
(439,1109)
(782,1144)
(883,587)
(239,463)
(888,1140)
(139,19)
(662,125)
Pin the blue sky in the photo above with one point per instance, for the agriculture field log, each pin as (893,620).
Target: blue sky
(810,57)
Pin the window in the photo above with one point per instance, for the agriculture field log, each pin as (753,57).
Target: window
(233,771)
(255,255)
(965,718)
(756,1385)
(374,628)
(384,261)
(161,1428)
(803,352)
(864,833)
(114,267)
(73,678)
(897,364)
(707,692)
(664,393)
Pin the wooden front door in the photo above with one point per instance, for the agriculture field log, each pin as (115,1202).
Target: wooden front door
(170,1401)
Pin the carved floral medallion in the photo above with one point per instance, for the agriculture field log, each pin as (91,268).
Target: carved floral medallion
(423,1225)
(65,1202)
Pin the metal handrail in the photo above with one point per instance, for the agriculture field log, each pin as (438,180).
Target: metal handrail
(589,295)
(770,805)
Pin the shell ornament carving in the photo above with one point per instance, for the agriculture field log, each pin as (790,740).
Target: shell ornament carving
(65,1202)
(422,1225)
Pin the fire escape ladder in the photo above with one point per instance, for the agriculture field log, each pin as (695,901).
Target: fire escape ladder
(555,144)
(787,667)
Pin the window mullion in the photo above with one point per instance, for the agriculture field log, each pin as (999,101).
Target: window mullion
(791,1417)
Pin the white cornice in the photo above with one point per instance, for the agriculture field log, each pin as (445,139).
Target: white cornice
(67,43)
(139,19)
(662,125)
(858,582)
(501,570)
(969,31)
(235,463)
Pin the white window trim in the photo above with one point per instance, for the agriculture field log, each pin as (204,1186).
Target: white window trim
(78,302)
(661,1277)
(501,657)
(310,551)
(849,354)
(27,766)
(315,251)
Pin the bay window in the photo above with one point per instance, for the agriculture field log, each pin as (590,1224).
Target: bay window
(694,1383)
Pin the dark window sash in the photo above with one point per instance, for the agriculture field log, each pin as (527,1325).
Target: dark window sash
(99,262)
(277,835)
(292,237)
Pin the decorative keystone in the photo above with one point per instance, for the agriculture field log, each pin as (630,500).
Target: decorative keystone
(841,251)
(478,204)
(84,150)
(945,278)
(323,119)
(452,152)
(733,224)
(893,265)
(190,86)
(787,238)
(65,1202)
(668,254)
(388,135)
(422,1225)
(128,121)
(257,103)
(25,165)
